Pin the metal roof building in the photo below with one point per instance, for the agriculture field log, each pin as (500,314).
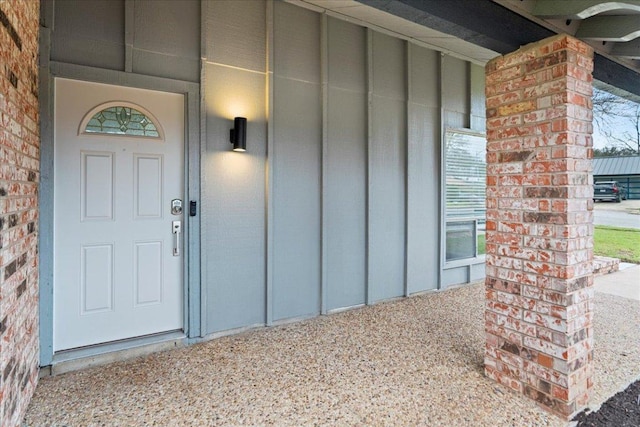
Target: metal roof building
(628,165)
(625,170)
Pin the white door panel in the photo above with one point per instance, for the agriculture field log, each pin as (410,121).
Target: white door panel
(115,274)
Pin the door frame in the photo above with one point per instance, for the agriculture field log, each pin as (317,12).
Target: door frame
(192,154)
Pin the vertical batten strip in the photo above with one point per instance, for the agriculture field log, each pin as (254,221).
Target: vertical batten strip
(129,22)
(469,99)
(367,293)
(204,11)
(324,78)
(269,166)
(408,110)
(442,235)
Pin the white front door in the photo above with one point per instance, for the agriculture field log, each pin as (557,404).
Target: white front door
(116,272)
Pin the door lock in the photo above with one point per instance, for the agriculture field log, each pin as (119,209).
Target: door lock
(176,207)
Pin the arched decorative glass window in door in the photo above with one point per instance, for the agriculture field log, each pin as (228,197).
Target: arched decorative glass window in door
(121,118)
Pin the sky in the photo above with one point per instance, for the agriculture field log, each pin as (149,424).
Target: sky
(620,124)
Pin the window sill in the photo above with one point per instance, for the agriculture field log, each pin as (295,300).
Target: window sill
(464,262)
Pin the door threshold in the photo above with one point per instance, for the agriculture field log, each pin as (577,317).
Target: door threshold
(101,354)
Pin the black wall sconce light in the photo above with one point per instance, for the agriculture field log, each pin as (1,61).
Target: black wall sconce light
(238,134)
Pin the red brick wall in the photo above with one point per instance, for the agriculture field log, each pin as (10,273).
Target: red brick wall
(19,174)
(539,223)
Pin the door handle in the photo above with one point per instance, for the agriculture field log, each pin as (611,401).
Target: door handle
(176,228)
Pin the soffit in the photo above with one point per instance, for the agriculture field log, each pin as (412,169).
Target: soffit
(611,27)
(379,20)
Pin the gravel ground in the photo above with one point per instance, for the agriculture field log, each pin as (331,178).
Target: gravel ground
(416,361)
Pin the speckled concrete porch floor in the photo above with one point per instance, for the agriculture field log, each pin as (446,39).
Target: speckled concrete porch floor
(416,361)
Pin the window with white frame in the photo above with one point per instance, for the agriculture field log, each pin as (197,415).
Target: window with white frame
(465,169)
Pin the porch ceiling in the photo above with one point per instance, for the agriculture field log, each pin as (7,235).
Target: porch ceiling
(478,30)
(399,26)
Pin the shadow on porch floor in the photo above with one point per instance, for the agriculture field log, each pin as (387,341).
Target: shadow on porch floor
(416,361)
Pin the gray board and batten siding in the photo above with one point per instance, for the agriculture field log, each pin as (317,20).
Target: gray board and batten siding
(140,37)
(337,201)
(340,185)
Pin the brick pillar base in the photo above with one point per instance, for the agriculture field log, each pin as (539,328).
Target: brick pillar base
(539,293)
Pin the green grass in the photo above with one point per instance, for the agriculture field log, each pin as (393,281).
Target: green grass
(482,243)
(616,242)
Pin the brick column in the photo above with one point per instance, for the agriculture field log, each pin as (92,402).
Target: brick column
(539,293)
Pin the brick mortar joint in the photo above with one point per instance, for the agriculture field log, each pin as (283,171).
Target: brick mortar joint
(22,183)
(518,77)
(534,46)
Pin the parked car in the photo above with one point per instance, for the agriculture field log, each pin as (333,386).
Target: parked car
(608,190)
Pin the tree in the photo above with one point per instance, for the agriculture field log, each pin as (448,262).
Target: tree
(618,120)
(613,151)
